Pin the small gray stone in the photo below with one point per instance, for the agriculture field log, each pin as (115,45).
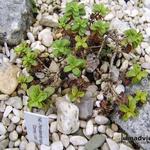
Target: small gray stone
(3,97)
(86,107)
(45,36)
(7,111)
(8,74)
(65,140)
(95,142)
(67,116)
(31,146)
(53,127)
(102,129)
(70,147)
(112,144)
(4,144)
(44,147)
(105,147)
(2,129)
(78,140)
(57,146)
(55,137)
(22,145)
(13,136)
(49,20)
(16,102)
(31,37)
(89,128)
(101,120)
(11,127)
(117,137)
(114,74)
(54,67)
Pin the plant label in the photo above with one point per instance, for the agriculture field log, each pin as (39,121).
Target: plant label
(37,128)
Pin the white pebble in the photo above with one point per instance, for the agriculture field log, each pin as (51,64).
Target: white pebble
(2,129)
(15,119)
(7,111)
(57,146)
(53,127)
(78,140)
(102,129)
(112,144)
(13,136)
(65,140)
(119,89)
(89,128)
(101,120)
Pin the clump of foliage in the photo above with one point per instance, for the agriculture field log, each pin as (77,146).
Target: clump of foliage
(75,94)
(37,96)
(61,47)
(136,73)
(141,96)
(81,42)
(24,80)
(100,9)
(93,36)
(80,26)
(130,110)
(33,6)
(74,9)
(74,65)
(100,26)
(133,38)
(28,56)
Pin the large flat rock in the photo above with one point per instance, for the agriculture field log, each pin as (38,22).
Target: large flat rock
(15,17)
(139,126)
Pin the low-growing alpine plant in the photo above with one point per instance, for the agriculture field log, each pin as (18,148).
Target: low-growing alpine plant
(136,73)
(74,65)
(61,47)
(132,38)
(24,81)
(37,96)
(130,110)
(75,94)
(29,57)
(100,9)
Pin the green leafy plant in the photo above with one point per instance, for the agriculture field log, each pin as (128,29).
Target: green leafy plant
(75,94)
(136,73)
(37,96)
(141,96)
(133,38)
(24,80)
(63,23)
(61,47)
(80,26)
(22,48)
(30,59)
(74,9)
(100,26)
(81,42)
(28,56)
(129,111)
(74,65)
(101,9)
(33,6)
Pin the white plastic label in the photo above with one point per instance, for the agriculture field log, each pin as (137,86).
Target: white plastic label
(37,128)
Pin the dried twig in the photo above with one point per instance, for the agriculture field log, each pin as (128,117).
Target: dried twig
(102,46)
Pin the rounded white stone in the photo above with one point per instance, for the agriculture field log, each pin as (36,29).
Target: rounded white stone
(78,140)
